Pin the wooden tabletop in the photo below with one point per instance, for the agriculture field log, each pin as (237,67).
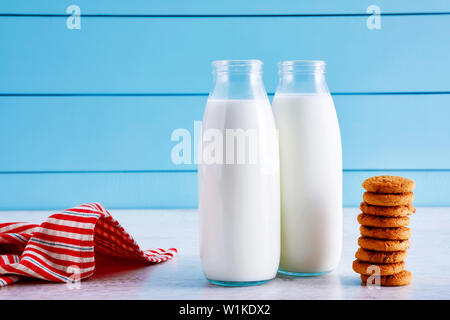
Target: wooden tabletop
(182,278)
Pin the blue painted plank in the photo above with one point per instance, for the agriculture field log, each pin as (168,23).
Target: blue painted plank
(432,187)
(120,190)
(173,55)
(93,133)
(169,190)
(221,7)
(395,131)
(134,133)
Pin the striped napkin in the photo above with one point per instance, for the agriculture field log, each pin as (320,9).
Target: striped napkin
(62,249)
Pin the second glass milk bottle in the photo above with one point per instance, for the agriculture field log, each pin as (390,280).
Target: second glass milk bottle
(311,170)
(239,190)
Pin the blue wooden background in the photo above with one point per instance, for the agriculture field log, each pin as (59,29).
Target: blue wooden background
(87,115)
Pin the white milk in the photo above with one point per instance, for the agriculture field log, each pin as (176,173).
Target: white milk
(311,182)
(239,204)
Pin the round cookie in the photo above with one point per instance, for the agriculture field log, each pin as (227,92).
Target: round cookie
(394,211)
(388,199)
(400,233)
(382,222)
(389,184)
(380,257)
(383,245)
(399,279)
(385,269)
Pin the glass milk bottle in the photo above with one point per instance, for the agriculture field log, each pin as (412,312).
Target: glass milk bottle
(311,170)
(238,176)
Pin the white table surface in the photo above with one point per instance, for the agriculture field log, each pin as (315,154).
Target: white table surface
(182,278)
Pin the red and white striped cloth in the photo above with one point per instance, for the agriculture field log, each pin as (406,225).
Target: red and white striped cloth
(66,244)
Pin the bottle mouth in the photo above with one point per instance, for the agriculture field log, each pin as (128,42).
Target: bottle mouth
(301,66)
(237,66)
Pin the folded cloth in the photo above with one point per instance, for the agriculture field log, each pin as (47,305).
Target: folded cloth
(65,245)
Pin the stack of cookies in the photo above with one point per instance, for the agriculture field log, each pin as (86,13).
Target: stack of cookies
(384,235)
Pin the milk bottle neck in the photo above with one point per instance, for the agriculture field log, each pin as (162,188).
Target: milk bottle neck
(238,79)
(302,77)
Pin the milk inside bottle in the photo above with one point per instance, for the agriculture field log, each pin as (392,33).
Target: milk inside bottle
(311,170)
(239,183)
